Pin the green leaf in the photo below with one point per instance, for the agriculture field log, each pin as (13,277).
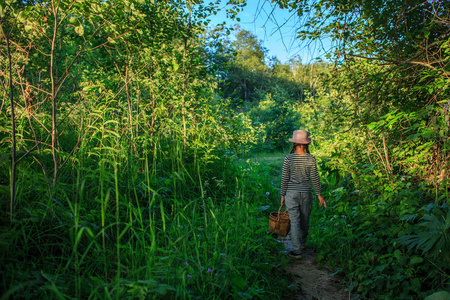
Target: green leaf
(238,283)
(22,17)
(415,285)
(416,260)
(28,27)
(2,11)
(372,125)
(413,136)
(442,295)
(79,30)
(245,295)
(175,66)
(162,289)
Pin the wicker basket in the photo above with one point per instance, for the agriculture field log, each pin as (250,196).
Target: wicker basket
(279,222)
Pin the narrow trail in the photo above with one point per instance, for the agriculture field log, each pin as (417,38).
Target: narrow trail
(314,283)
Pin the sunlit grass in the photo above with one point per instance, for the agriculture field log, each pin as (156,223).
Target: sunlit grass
(147,236)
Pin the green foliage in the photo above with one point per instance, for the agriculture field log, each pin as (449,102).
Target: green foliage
(381,121)
(363,236)
(246,74)
(127,183)
(261,89)
(278,118)
(431,236)
(380,118)
(130,124)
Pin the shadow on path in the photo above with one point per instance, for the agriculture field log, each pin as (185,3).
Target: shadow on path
(314,283)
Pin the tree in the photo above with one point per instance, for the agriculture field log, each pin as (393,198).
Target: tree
(248,72)
(392,60)
(79,65)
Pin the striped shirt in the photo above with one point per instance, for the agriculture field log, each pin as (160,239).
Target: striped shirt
(299,171)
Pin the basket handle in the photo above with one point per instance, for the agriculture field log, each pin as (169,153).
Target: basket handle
(279,212)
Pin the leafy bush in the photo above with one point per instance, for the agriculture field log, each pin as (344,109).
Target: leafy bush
(385,248)
(279,118)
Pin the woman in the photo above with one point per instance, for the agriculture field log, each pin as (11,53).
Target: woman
(299,174)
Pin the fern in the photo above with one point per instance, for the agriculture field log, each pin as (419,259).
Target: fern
(432,236)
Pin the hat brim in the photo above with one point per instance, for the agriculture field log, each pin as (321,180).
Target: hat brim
(300,141)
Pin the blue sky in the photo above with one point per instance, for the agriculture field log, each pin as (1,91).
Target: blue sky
(277,29)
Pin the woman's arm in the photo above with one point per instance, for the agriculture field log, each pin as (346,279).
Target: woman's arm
(315,177)
(322,201)
(284,178)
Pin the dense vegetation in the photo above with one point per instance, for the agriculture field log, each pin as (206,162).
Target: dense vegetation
(127,127)
(382,121)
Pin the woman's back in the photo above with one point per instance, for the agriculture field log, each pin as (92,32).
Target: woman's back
(298,173)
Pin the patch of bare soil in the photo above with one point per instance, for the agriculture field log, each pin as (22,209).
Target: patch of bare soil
(315,283)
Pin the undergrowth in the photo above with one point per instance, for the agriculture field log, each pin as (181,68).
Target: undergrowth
(389,239)
(118,231)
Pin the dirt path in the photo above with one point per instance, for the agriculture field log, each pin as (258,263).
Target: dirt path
(314,283)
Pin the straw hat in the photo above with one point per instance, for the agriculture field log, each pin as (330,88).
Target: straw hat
(300,137)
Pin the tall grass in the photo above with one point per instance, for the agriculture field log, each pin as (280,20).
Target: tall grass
(164,224)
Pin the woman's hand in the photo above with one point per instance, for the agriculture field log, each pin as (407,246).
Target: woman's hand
(282,200)
(322,201)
